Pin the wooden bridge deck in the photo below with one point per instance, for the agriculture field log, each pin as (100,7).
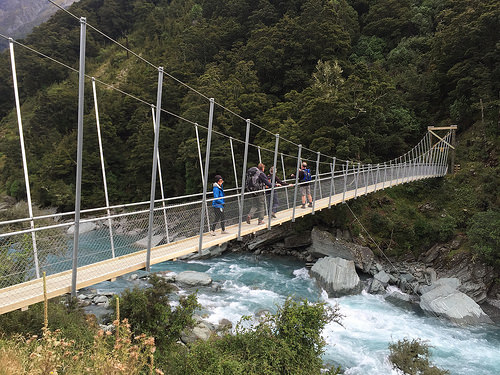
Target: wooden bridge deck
(22,295)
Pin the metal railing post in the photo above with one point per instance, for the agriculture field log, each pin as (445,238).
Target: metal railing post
(78,190)
(243,178)
(154,167)
(205,181)
(296,183)
(345,180)
(316,182)
(103,168)
(23,154)
(385,176)
(332,184)
(377,175)
(367,179)
(273,181)
(356,181)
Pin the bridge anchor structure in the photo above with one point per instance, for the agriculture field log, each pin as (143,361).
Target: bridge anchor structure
(80,248)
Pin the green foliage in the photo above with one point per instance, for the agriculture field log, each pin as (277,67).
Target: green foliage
(148,311)
(484,235)
(63,315)
(412,357)
(288,342)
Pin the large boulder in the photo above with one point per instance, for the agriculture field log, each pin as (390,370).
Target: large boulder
(324,244)
(193,278)
(337,276)
(446,301)
(363,257)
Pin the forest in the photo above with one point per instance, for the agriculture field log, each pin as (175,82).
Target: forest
(356,79)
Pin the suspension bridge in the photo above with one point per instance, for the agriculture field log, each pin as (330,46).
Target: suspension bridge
(83,247)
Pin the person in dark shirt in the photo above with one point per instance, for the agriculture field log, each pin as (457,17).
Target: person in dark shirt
(258,200)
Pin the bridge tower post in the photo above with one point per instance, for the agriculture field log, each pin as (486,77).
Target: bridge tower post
(154,167)
(243,178)
(201,166)
(205,181)
(103,168)
(234,170)
(23,153)
(78,192)
(160,177)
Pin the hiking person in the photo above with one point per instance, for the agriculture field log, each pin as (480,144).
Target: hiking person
(305,186)
(218,205)
(256,181)
(278,182)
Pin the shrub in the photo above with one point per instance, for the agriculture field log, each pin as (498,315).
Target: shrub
(484,235)
(67,317)
(148,311)
(288,342)
(412,357)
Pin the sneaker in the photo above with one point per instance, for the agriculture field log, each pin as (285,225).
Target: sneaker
(310,205)
(248,219)
(303,206)
(260,222)
(273,215)
(224,232)
(212,233)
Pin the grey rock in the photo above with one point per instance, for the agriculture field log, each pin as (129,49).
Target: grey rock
(376,287)
(100,299)
(224,325)
(168,276)
(143,243)
(134,276)
(363,257)
(200,332)
(193,278)
(382,277)
(267,237)
(447,302)
(81,297)
(337,276)
(325,245)
(83,228)
(297,240)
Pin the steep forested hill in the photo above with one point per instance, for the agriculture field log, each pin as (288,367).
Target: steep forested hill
(357,79)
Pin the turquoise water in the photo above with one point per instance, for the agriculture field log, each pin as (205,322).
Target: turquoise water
(250,284)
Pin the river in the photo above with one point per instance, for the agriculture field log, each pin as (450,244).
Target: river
(251,284)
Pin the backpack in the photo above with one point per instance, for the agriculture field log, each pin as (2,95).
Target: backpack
(307,175)
(252,179)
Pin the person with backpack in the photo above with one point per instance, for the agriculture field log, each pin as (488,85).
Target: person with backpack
(276,201)
(256,180)
(218,205)
(305,186)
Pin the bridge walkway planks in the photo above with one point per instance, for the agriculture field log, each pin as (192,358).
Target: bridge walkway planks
(22,295)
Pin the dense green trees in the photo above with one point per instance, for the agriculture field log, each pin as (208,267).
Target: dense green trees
(352,78)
